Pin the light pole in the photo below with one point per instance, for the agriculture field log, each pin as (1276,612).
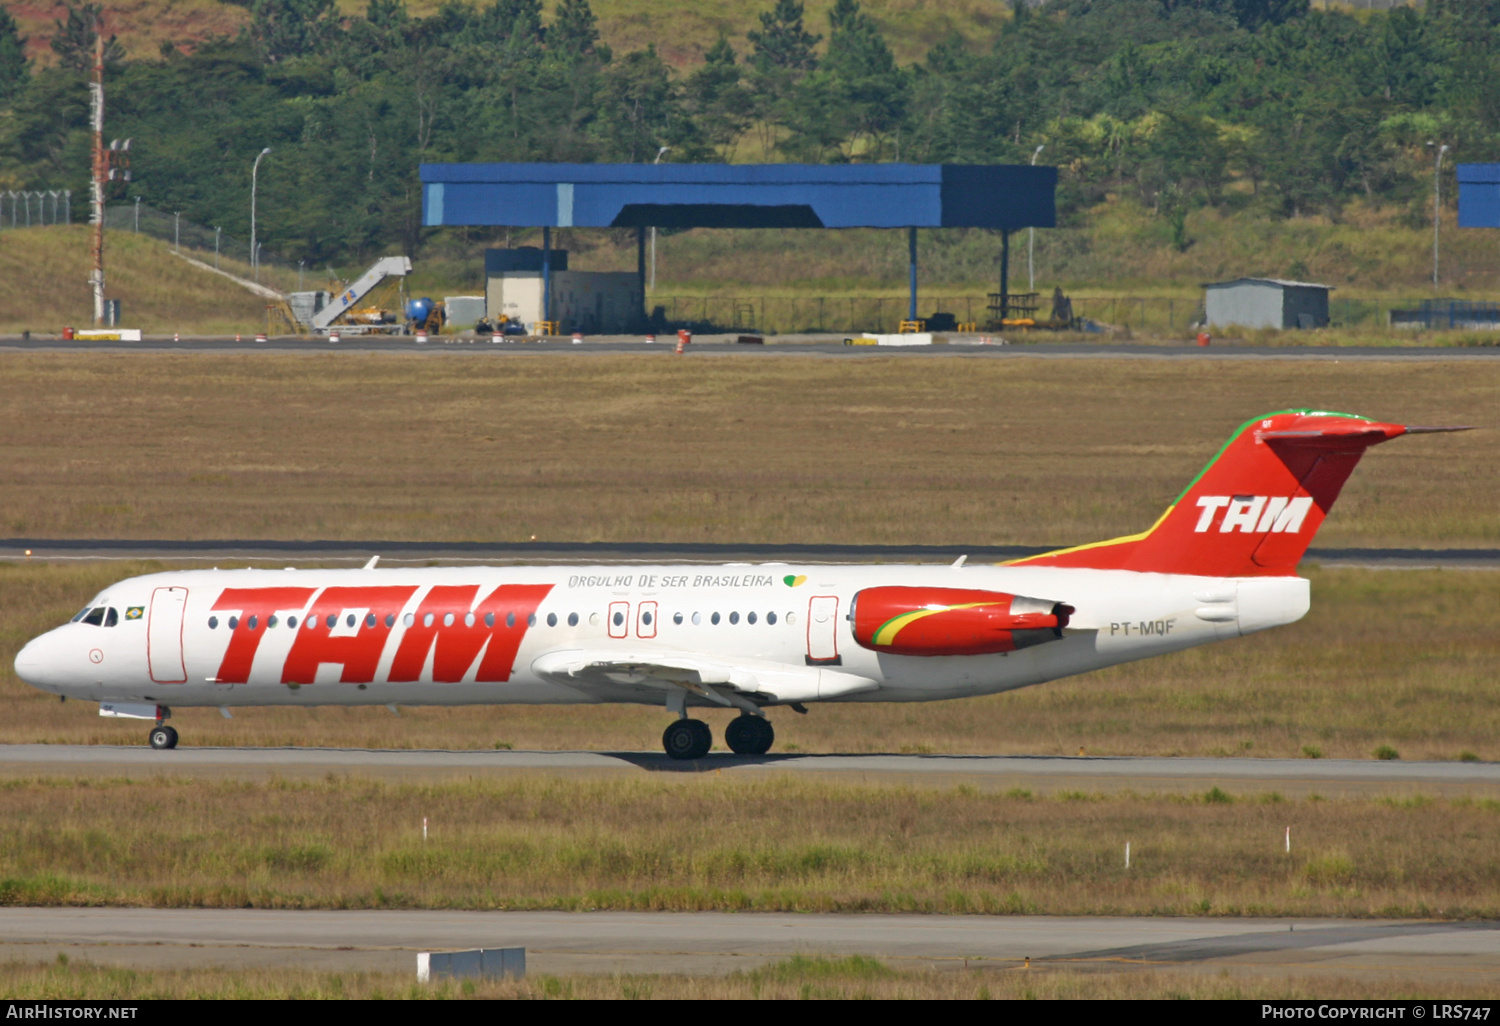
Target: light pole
(1031,237)
(1437,199)
(138,215)
(659,154)
(254,171)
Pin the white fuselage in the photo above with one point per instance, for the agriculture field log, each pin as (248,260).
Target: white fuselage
(370,640)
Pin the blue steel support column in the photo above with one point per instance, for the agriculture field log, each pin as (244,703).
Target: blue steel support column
(546,273)
(911,250)
(640,270)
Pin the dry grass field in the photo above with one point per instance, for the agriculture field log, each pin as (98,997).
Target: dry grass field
(706,842)
(1400,659)
(159,292)
(798,978)
(735,449)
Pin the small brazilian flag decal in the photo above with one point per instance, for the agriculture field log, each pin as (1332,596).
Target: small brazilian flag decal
(792,580)
(135,612)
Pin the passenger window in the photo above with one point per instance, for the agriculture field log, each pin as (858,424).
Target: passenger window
(551,619)
(750,618)
(332,619)
(271,620)
(489,619)
(677,618)
(349,620)
(234,623)
(645,618)
(510,619)
(714,619)
(253,622)
(447,619)
(791,618)
(95,617)
(734,617)
(370,620)
(390,620)
(771,619)
(213,623)
(572,619)
(593,619)
(112,617)
(427,620)
(409,620)
(619,618)
(468,619)
(697,619)
(291,622)
(531,620)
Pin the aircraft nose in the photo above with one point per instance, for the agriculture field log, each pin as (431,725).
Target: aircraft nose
(32,662)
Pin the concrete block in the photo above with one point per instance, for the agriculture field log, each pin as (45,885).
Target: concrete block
(490,963)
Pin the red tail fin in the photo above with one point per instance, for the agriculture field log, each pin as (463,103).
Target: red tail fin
(1254,509)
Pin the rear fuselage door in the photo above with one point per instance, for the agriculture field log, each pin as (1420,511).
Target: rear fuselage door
(823,631)
(164,636)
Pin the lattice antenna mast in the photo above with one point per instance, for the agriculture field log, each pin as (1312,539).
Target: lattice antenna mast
(100,170)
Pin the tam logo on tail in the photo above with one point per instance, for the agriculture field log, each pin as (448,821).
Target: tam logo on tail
(1267,492)
(1254,514)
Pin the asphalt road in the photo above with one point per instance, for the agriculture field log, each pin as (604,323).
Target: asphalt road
(1044,773)
(279,552)
(712,942)
(780,346)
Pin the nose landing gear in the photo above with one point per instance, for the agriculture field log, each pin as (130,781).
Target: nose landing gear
(163,737)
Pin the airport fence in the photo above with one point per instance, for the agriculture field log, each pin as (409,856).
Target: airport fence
(212,245)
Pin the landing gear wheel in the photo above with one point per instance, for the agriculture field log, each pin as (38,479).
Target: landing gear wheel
(163,737)
(749,735)
(687,739)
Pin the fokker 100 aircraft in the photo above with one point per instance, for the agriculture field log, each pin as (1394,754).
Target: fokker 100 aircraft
(1219,563)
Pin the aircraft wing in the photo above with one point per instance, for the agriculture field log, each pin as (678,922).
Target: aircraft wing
(604,673)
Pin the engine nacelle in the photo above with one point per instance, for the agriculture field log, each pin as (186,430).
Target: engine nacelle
(953,621)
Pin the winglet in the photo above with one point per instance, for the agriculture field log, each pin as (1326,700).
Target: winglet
(371,564)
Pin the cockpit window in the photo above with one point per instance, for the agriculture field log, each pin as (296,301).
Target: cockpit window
(112,617)
(94,617)
(81,614)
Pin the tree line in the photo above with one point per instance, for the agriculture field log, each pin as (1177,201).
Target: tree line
(1174,104)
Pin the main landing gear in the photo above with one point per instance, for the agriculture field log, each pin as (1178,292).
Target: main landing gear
(749,735)
(163,737)
(691,739)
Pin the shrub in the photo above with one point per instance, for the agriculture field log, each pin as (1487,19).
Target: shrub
(1386,753)
(1312,751)
(1467,756)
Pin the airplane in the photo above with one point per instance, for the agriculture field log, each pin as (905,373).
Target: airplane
(1218,564)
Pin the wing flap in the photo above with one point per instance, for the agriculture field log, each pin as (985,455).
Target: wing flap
(767,682)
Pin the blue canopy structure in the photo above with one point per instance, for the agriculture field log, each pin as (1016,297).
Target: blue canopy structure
(1003,197)
(1479,195)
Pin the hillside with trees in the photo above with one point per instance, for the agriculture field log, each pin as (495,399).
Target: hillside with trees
(1175,106)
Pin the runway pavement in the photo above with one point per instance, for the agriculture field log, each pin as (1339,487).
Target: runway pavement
(1294,776)
(713,942)
(398,552)
(783,345)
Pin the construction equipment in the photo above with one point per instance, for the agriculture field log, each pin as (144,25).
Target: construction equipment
(425,315)
(342,303)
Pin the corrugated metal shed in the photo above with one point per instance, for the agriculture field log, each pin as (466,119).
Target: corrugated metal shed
(1479,195)
(1266,303)
(1003,196)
